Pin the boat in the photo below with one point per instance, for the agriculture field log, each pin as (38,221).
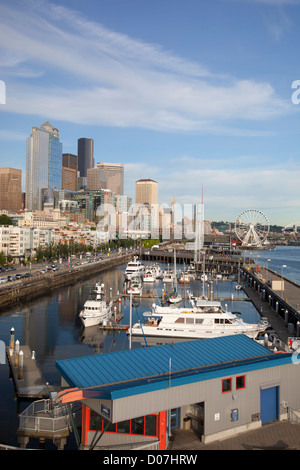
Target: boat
(168,276)
(184,278)
(155,268)
(95,310)
(198,306)
(174,297)
(134,268)
(149,276)
(135,287)
(196,325)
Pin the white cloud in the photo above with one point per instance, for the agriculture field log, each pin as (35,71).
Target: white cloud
(91,75)
(230,189)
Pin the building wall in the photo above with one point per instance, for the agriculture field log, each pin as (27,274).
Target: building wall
(218,405)
(69,179)
(85,155)
(43,165)
(69,171)
(112,175)
(146,192)
(10,189)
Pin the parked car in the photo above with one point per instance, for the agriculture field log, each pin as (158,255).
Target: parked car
(2,280)
(19,276)
(11,278)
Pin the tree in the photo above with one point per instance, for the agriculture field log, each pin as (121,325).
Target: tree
(5,220)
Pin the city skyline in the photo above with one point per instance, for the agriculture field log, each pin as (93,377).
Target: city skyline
(187,94)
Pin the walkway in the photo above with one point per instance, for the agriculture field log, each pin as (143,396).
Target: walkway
(282,435)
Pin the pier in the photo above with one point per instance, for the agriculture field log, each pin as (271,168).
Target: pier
(28,380)
(281,307)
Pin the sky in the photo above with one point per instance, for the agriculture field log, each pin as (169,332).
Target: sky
(195,94)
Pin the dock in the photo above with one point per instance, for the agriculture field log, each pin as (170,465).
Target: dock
(28,380)
(281,308)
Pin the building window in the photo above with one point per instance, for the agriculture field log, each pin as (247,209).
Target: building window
(137,425)
(123,427)
(143,426)
(240,382)
(226,385)
(150,426)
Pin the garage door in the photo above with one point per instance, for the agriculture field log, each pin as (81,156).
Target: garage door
(269,404)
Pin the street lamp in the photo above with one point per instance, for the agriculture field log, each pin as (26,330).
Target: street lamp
(282,266)
(267,269)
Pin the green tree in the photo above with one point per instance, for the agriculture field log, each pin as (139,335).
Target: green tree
(5,220)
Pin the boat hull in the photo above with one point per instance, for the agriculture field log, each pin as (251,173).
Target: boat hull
(88,320)
(191,334)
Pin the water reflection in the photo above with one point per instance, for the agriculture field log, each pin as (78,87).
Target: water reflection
(51,326)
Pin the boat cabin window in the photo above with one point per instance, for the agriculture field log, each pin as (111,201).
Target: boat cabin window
(199,320)
(179,320)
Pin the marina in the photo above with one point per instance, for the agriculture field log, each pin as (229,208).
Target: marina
(57,317)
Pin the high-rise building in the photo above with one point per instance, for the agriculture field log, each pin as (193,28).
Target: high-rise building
(69,171)
(85,159)
(113,176)
(146,192)
(95,179)
(43,165)
(10,189)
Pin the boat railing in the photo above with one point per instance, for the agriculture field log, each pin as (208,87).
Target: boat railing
(42,415)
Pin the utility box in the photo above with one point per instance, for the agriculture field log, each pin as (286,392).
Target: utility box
(278,284)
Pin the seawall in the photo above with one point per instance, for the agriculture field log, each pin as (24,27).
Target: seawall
(27,289)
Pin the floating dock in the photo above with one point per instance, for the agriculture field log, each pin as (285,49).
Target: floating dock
(28,380)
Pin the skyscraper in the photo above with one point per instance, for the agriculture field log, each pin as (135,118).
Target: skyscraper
(85,159)
(113,176)
(146,192)
(10,189)
(69,171)
(43,165)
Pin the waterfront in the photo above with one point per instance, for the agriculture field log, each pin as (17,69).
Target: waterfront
(51,327)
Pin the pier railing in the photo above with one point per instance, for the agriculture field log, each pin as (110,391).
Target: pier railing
(41,416)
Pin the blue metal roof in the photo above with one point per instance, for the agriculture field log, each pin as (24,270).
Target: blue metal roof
(128,372)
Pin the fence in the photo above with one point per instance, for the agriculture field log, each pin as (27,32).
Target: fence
(42,416)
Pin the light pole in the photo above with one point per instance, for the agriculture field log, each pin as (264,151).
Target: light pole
(282,266)
(267,269)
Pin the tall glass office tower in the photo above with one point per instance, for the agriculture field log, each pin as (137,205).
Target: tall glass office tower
(43,165)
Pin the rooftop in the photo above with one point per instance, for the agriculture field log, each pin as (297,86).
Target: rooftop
(123,373)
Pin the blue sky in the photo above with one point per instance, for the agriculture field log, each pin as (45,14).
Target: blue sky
(193,93)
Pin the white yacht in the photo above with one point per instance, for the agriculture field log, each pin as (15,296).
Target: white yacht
(174,297)
(134,268)
(155,268)
(95,310)
(135,287)
(168,276)
(196,325)
(149,276)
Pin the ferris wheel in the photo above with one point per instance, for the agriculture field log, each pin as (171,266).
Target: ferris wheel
(252,227)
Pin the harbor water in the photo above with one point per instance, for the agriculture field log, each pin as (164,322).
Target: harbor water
(50,325)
